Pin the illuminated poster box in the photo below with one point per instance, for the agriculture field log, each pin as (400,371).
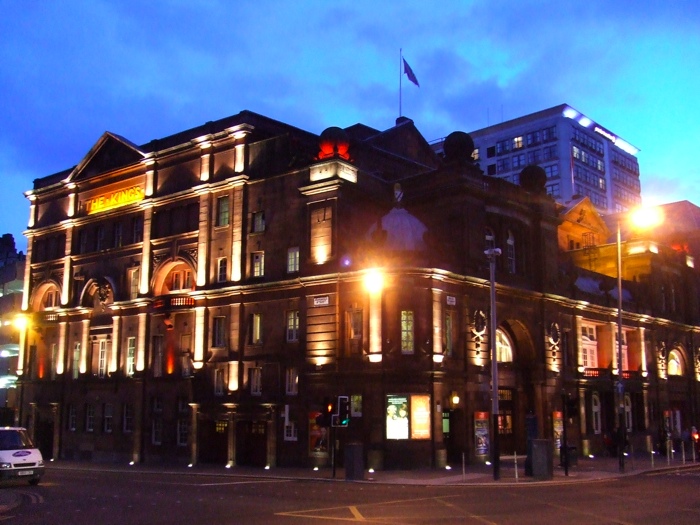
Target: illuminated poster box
(408,416)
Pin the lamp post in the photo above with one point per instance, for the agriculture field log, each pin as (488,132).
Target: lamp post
(491,255)
(642,218)
(622,435)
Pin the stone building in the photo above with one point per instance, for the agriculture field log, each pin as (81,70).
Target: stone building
(204,297)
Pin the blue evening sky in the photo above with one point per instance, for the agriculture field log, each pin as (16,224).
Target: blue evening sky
(71,70)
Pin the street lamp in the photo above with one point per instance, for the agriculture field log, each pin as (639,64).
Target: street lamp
(491,255)
(644,218)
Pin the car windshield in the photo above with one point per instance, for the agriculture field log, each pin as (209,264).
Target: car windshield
(14,439)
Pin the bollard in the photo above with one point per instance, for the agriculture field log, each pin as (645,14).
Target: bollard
(652,460)
(463,472)
(692,445)
(668,451)
(683,451)
(515,460)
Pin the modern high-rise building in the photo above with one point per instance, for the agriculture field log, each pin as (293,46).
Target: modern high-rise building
(580,157)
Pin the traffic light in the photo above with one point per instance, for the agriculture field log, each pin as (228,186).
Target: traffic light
(325,418)
(343,411)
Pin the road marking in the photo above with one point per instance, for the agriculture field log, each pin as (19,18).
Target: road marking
(467,514)
(223,483)
(356,513)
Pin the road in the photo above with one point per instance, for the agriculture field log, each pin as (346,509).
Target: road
(92,497)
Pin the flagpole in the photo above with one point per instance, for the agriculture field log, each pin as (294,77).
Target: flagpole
(400,78)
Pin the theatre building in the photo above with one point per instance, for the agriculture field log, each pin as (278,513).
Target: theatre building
(204,297)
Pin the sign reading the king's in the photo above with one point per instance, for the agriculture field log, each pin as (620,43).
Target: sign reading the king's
(115,199)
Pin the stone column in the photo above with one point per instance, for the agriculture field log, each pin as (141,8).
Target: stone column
(194,445)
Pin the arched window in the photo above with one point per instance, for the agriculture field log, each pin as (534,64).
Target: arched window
(510,252)
(490,239)
(675,366)
(595,412)
(504,347)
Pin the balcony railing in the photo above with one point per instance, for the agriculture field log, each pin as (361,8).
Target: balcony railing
(173,302)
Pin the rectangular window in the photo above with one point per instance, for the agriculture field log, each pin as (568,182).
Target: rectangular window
(219,381)
(108,418)
(82,241)
(75,368)
(218,335)
(407,336)
(89,417)
(157,431)
(130,356)
(137,229)
(290,431)
(293,325)
(128,418)
(518,142)
(185,344)
(134,275)
(258,222)
(72,418)
(293,260)
(258,263)
(449,326)
(255,379)
(177,281)
(157,353)
(321,229)
(102,359)
(222,211)
(183,431)
(589,347)
(118,235)
(100,238)
(256,329)
(291,382)
(221,270)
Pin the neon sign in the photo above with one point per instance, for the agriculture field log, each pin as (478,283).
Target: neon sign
(109,201)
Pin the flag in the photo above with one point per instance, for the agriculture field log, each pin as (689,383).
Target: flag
(409,72)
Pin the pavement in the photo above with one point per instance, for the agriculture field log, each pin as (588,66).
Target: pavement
(512,473)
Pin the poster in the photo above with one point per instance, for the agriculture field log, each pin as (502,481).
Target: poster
(396,417)
(420,417)
(481,433)
(558,424)
(318,436)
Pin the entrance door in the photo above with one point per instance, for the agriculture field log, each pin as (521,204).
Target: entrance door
(506,409)
(213,441)
(251,443)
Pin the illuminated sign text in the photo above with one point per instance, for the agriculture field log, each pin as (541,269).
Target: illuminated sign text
(109,201)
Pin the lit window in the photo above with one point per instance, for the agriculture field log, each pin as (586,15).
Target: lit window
(675,368)
(504,347)
(407,335)
(290,431)
(293,325)
(293,259)
(222,209)
(256,329)
(258,263)
(518,142)
(588,357)
(75,369)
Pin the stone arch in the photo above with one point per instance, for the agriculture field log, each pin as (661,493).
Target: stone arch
(97,293)
(677,362)
(40,295)
(164,279)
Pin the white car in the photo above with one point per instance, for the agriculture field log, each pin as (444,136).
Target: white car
(19,458)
